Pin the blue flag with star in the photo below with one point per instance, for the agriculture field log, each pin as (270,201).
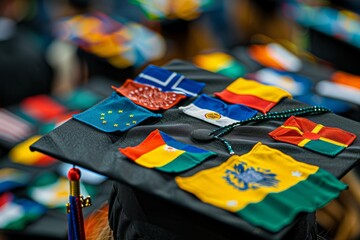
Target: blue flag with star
(115,113)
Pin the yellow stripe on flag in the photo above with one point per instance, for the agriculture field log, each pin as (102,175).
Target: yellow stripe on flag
(303,142)
(250,87)
(293,128)
(333,142)
(317,128)
(159,157)
(219,192)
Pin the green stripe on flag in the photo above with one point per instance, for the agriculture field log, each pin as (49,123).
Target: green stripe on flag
(185,161)
(324,147)
(277,210)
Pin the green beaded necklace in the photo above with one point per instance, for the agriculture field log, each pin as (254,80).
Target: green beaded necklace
(218,132)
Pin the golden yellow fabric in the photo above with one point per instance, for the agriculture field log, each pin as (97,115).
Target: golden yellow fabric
(159,157)
(211,186)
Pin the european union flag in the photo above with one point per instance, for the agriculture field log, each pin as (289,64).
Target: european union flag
(115,113)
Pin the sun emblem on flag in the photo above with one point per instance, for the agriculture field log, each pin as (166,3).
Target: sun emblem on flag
(169,148)
(213,115)
(243,177)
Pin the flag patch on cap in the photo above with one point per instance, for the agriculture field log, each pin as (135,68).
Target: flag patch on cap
(310,135)
(164,153)
(217,112)
(253,94)
(265,187)
(149,97)
(115,113)
(169,81)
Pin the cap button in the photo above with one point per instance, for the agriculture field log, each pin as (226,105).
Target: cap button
(202,135)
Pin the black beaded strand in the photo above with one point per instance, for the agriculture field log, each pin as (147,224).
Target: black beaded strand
(267,116)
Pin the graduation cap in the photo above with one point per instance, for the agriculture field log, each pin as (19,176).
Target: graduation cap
(122,44)
(78,143)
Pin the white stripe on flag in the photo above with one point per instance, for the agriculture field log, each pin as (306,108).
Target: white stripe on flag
(156,80)
(174,87)
(199,113)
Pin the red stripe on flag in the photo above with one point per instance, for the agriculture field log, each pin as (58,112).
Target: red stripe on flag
(248,100)
(135,152)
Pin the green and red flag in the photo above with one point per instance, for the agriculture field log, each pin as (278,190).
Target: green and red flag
(310,135)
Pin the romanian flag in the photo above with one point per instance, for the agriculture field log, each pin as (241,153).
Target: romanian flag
(21,154)
(115,113)
(316,137)
(253,94)
(217,112)
(17,213)
(169,81)
(164,153)
(221,63)
(149,97)
(11,178)
(265,187)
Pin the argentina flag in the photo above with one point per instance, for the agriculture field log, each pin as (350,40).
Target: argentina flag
(217,112)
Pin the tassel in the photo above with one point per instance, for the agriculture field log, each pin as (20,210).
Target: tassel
(75,205)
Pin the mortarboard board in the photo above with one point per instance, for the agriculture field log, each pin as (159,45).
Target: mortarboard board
(98,151)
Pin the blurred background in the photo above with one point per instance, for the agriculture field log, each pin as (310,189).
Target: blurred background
(59,57)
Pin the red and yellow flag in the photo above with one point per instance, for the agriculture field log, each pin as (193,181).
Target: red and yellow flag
(253,94)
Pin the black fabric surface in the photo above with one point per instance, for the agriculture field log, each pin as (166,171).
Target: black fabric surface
(24,70)
(77,143)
